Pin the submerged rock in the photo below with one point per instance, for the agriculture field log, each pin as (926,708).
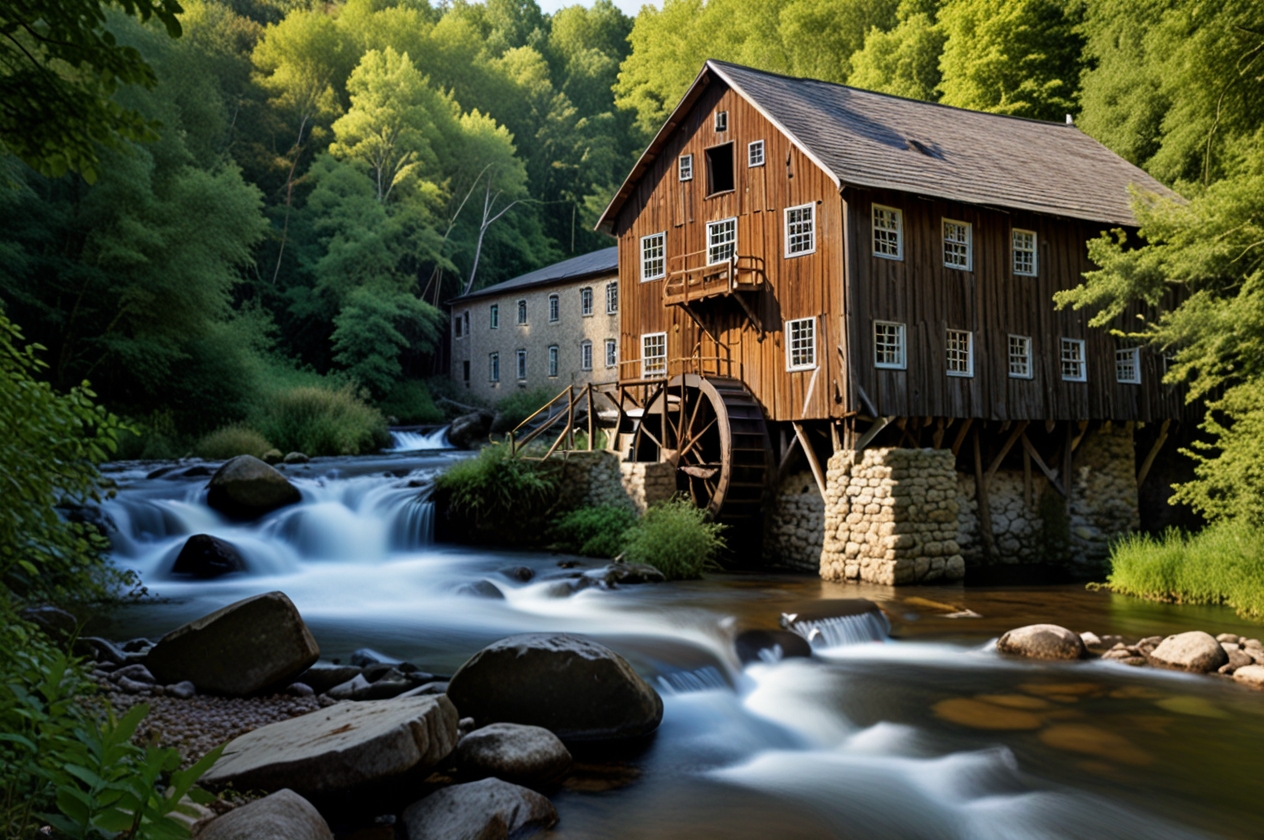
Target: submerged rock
(486,810)
(1042,641)
(625,573)
(341,747)
(246,488)
(524,755)
(248,646)
(572,686)
(282,816)
(770,646)
(1193,651)
(204,556)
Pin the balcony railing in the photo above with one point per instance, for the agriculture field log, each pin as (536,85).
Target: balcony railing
(691,278)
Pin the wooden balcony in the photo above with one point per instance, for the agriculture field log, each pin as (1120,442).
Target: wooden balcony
(691,279)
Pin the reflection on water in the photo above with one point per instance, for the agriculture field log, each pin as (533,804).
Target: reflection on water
(927,733)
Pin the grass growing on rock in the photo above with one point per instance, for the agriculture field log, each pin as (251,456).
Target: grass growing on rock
(230,442)
(1223,564)
(675,537)
(497,484)
(599,531)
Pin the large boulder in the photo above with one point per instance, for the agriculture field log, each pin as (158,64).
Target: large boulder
(242,649)
(469,430)
(246,488)
(486,810)
(204,556)
(1193,651)
(282,816)
(344,746)
(1042,641)
(524,755)
(571,686)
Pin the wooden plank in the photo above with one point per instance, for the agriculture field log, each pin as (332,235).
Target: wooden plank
(878,425)
(1154,453)
(815,464)
(961,436)
(1040,462)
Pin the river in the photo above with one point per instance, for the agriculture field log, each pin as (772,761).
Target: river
(925,734)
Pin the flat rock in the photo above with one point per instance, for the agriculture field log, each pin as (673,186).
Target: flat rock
(246,488)
(617,573)
(524,755)
(340,747)
(572,686)
(282,816)
(242,649)
(1193,651)
(770,645)
(324,677)
(486,810)
(1042,641)
(1252,675)
(204,556)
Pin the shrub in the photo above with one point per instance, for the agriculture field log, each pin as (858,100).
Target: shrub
(675,537)
(498,485)
(594,531)
(410,402)
(1223,564)
(321,421)
(231,441)
(515,408)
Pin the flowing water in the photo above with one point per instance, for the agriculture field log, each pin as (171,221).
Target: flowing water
(922,733)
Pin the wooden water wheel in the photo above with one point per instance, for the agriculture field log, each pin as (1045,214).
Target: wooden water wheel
(712,430)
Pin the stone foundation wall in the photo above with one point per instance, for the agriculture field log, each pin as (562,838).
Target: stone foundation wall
(601,478)
(891,517)
(794,531)
(647,483)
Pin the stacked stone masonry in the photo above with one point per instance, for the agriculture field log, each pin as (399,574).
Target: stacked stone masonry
(603,479)
(794,533)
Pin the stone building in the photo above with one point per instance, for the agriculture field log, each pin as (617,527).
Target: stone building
(550,328)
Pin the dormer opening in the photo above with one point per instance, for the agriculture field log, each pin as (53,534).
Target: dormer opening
(720,174)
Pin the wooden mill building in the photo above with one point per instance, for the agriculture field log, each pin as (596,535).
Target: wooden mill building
(808,262)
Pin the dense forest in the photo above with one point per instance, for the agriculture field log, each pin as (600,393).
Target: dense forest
(283,193)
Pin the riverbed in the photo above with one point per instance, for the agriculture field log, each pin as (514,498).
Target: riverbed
(925,733)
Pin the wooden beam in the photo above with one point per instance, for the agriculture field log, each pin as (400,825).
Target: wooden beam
(961,435)
(878,425)
(1154,452)
(938,438)
(1083,430)
(1014,435)
(1040,462)
(834,441)
(864,398)
(981,496)
(817,472)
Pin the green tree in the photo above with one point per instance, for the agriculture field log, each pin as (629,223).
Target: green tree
(374,327)
(822,36)
(903,61)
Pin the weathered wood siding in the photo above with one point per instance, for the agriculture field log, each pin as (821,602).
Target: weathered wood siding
(800,287)
(991,302)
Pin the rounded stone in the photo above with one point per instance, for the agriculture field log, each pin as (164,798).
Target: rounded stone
(485,810)
(524,755)
(204,556)
(1193,651)
(282,816)
(245,488)
(1041,641)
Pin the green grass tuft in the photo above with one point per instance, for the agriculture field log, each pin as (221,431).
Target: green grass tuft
(498,486)
(321,421)
(230,442)
(675,538)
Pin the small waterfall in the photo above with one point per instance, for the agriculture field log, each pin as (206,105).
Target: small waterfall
(414,525)
(417,441)
(871,626)
(706,678)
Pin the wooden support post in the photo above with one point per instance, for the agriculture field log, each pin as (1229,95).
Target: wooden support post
(981,496)
(878,425)
(1044,468)
(1009,444)
(938,438)
(961,436)
(1154,452)
(817,472)
(834,441)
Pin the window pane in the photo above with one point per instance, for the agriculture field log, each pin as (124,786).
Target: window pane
(585,355)
(686,167)
(653,256)
(801,230)
(755,153)
(612,353)
(1128,365)
(888,344)
(612,298)
(553,308)
(653,355)
(1020,356)
(959,353)
(522,364)
(522,312)
(721,241)
(886,232)
(585,301)
(1073,368)
(493,367)
(1024,252)
(801,343)
(553,361)
(495,317)
(956,245)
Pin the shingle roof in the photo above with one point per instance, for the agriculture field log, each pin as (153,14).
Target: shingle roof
(874,140)
(604,261)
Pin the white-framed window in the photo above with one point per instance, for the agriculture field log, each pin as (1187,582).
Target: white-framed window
(493,367)
(585,355)
(586,301)
(721,241)
(800,230)
(552,360)
(653,256)
(522,312)
(684,167)
(1024,242)
(721,120)
(755,153)
(888,232)
(612,298)
(458,326)
(494,316)
(801,344)
(959,352)
(957,250)
(555,307)
(888,345)
(1073,367)
(522,365)
(1020,357)
(653,355)
(1128,365)
(612,352)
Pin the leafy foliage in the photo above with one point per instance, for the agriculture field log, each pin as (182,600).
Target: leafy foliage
(321,421)
(518,406)
(496,485)
(594,531)
(675,537)
(231,441)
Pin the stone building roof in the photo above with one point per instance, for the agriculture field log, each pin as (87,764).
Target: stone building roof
(604,261)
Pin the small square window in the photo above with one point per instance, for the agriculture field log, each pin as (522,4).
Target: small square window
(959,353)
(554,308)
(522,312)
(721,241)
(721,120)
(585,355)
(494,321)
(1073,366)
(888,345)
(612,298)
(653,256)
(653,355)
(801,344)
(685,167)
(586,301)
(888,232)
(458,326)
(1024,252)
(957,245)
(800,230)
(493,367)
(612,352)
(755,153)
(1020,357)
(553,360)
(522,365)
(1128,365)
